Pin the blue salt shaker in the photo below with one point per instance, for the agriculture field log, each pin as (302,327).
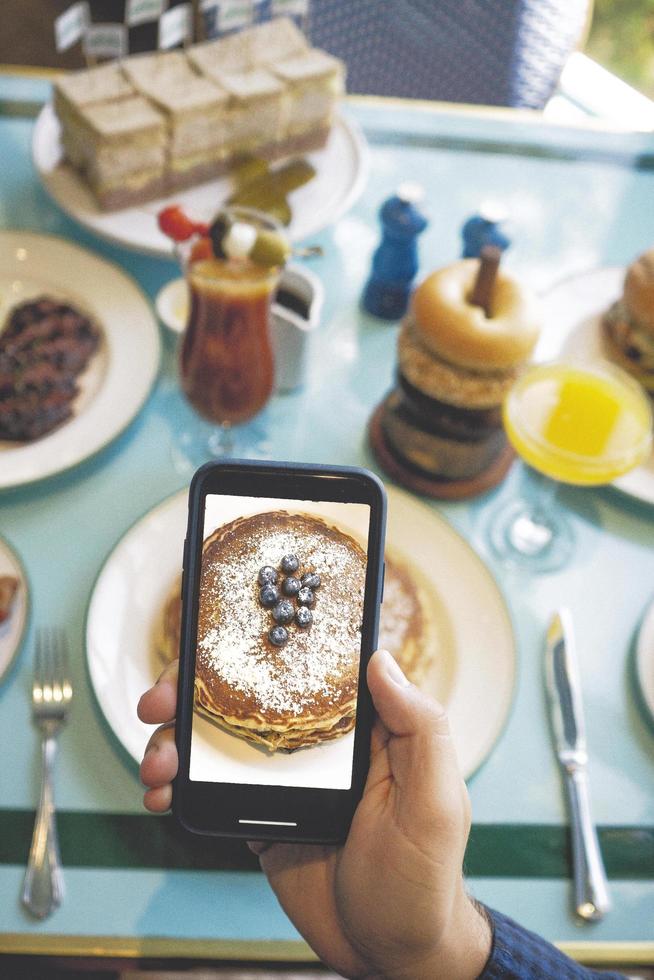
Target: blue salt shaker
(395,261)
(484,228)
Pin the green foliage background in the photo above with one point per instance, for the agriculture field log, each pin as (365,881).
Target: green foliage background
(622,40)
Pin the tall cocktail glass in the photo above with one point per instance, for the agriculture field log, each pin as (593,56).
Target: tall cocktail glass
(572,423)
(226,365)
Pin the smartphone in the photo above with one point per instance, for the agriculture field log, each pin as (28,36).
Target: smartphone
(281,589)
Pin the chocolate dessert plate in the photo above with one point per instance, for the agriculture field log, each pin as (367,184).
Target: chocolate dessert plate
(341,174)
(472,672)
(572,316)
(118,377)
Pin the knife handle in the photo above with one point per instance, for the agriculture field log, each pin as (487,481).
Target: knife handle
(591,892)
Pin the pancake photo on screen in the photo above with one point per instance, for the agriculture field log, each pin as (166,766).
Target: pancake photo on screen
(277,657)
(410,626)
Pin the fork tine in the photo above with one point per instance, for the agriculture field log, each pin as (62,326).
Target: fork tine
(54,667)
(60,662)
(39,668)
(49,667)
(67,683)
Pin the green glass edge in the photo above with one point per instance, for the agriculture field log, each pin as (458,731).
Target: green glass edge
(119,841)
(475,144)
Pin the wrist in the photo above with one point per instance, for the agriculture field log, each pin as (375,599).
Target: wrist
(462,951)
(466,944)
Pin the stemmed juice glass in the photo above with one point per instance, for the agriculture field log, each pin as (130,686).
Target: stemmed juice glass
(226,364)
(572,423)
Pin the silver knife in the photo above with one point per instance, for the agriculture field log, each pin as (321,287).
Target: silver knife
(591,893)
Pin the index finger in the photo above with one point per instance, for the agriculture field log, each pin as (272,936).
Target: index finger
(159,704)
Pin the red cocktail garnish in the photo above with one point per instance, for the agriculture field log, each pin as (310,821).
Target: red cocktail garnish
(202,249)
(178,226)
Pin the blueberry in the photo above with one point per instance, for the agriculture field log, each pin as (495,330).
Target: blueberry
(305,597)
(304,618)
(283,612)
(267,575)
(290,564)
(311,580)
(268,596)
(291,586)
(278,636)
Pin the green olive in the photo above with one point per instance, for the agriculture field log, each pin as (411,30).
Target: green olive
(270,249)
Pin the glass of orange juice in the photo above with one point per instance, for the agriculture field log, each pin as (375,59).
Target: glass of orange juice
(573,423)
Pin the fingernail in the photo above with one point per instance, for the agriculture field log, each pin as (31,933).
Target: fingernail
(393,669)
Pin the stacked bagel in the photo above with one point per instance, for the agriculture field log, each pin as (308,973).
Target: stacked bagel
(456,362)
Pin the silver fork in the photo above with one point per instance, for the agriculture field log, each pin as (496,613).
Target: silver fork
(43,887)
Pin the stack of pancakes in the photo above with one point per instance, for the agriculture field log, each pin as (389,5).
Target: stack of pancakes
(456,363)
(304,692)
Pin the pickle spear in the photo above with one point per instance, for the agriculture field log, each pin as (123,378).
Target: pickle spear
(267,192)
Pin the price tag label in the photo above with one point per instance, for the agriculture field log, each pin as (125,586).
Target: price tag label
(105,41)
(71,25)
(289,8)
(142,11)
(234,14)
(175,26)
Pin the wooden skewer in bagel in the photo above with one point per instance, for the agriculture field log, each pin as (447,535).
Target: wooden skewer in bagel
(482,292)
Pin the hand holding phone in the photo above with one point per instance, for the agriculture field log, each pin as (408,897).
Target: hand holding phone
(391,901)
(282,583)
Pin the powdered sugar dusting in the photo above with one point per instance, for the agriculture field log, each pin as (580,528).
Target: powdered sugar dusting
(310,668)
(398,614)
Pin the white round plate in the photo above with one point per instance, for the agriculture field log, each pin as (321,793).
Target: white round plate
(573,312)
(13,628)
(341,173)
(119,376)
(644,661)
(477,657)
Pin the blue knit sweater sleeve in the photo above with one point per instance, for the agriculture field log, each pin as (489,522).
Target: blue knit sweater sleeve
(518,954)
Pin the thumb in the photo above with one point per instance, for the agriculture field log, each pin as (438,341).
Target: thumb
(421,753)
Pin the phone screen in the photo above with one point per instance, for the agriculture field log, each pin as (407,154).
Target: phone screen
(278,643)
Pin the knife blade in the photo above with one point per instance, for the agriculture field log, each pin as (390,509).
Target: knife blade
(562,684)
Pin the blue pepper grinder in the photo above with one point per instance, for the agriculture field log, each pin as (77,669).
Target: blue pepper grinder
(484,228)
(395,262)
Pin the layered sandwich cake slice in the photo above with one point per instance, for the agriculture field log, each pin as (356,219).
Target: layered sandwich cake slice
(104,83)
(78,90)
(254,112)
(314,81)
(275,40)
(123,146)
(195,110)
(252,47)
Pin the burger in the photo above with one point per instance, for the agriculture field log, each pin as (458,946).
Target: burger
(628,325)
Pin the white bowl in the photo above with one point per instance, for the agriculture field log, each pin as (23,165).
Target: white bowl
(290,331)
